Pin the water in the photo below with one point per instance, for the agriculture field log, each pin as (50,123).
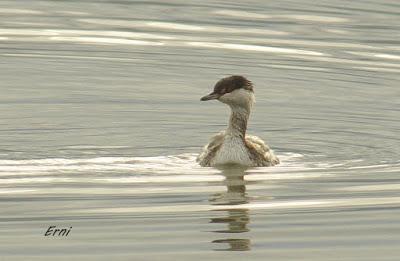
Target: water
(101,122)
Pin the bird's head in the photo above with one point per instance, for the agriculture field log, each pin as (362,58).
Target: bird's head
(235,90)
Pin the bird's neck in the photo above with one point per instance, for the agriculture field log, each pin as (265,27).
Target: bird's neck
(238,122)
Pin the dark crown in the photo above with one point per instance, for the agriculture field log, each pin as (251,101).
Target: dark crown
(231,83)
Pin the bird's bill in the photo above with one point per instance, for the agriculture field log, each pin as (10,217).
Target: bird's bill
(211,96)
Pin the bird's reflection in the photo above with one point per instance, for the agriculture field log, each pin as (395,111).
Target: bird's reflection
(237,219)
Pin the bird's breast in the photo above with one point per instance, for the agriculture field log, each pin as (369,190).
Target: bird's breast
(232,151)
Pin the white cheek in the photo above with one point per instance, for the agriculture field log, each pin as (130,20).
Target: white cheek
(238,97)
(226,98)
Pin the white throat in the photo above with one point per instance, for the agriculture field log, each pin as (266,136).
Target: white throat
(238,119)
(240,101)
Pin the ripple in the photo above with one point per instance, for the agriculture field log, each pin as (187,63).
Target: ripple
(346,61)
(163,179)
(302,17)
(104,40)
(256,48)
(73,13)
(377,69)
(315,18)
(175,168)
(280,205)
(174,26)
(19,11)
(314,43)
(182,27)
(76,57)
(378,187)
(80,33)
(285,176)
(179,164)
(90,147)
(242,14)
(377,55)
(25,32)
(293,165)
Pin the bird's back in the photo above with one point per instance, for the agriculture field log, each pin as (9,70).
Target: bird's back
(210,150)
(260,154)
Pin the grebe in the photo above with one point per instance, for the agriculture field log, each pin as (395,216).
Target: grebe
(233,146)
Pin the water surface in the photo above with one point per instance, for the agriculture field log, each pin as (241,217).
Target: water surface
(101,122)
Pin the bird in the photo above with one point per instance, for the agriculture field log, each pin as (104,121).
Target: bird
(233,146)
